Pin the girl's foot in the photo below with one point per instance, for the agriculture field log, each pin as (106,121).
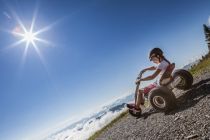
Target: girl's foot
(130,106)
(138,109)
(133,106)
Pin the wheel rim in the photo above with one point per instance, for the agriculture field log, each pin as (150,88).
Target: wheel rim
(159,101)
(182,82)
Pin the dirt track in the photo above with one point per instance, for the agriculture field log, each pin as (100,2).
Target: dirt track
(190,120)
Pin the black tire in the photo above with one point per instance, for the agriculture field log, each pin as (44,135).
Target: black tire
(162,99)
(187,79)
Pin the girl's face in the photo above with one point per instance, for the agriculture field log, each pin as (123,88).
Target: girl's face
(155,60)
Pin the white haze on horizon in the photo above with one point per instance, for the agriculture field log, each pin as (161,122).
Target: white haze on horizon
(88,128)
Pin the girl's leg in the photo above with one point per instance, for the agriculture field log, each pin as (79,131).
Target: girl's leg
(140,98)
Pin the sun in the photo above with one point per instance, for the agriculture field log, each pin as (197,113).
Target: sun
(29,37)
(25,36)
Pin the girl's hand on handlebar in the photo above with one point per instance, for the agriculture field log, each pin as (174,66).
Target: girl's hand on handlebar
(141,72)
(144,70)
(138,81)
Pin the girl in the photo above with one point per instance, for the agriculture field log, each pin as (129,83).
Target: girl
(157,57)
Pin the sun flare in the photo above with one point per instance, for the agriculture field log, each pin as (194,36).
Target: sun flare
(29,37)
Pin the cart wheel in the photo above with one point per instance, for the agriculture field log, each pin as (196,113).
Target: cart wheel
(186,79)
(162,99)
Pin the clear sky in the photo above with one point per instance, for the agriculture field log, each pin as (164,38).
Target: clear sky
(97,48)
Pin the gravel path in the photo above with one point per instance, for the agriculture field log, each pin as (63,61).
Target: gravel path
(190,120)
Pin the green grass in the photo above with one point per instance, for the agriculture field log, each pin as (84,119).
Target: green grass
(97,133)
(204,64)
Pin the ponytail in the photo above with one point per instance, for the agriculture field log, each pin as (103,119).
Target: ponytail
(166,60)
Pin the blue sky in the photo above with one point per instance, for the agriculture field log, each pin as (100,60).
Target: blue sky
(99,46)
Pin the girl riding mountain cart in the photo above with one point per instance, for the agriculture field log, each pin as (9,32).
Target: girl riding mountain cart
(162,71)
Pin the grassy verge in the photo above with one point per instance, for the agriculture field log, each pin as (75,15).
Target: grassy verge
(109,125)
(204,64)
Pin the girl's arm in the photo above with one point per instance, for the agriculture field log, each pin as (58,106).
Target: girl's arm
(155,74)
(150,68)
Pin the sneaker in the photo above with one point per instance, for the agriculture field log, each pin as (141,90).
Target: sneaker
(131,105)
(135,109)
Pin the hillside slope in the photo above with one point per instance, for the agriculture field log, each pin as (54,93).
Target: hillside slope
(190,120)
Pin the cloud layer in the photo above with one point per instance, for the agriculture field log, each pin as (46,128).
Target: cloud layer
(84,131)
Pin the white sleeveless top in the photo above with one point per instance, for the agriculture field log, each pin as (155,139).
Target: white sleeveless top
(162,66)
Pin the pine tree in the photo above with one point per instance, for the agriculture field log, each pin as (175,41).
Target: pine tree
(207,35)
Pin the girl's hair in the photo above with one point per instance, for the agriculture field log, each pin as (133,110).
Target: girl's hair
(163,57)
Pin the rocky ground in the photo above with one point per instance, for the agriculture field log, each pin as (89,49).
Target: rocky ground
(190,120)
